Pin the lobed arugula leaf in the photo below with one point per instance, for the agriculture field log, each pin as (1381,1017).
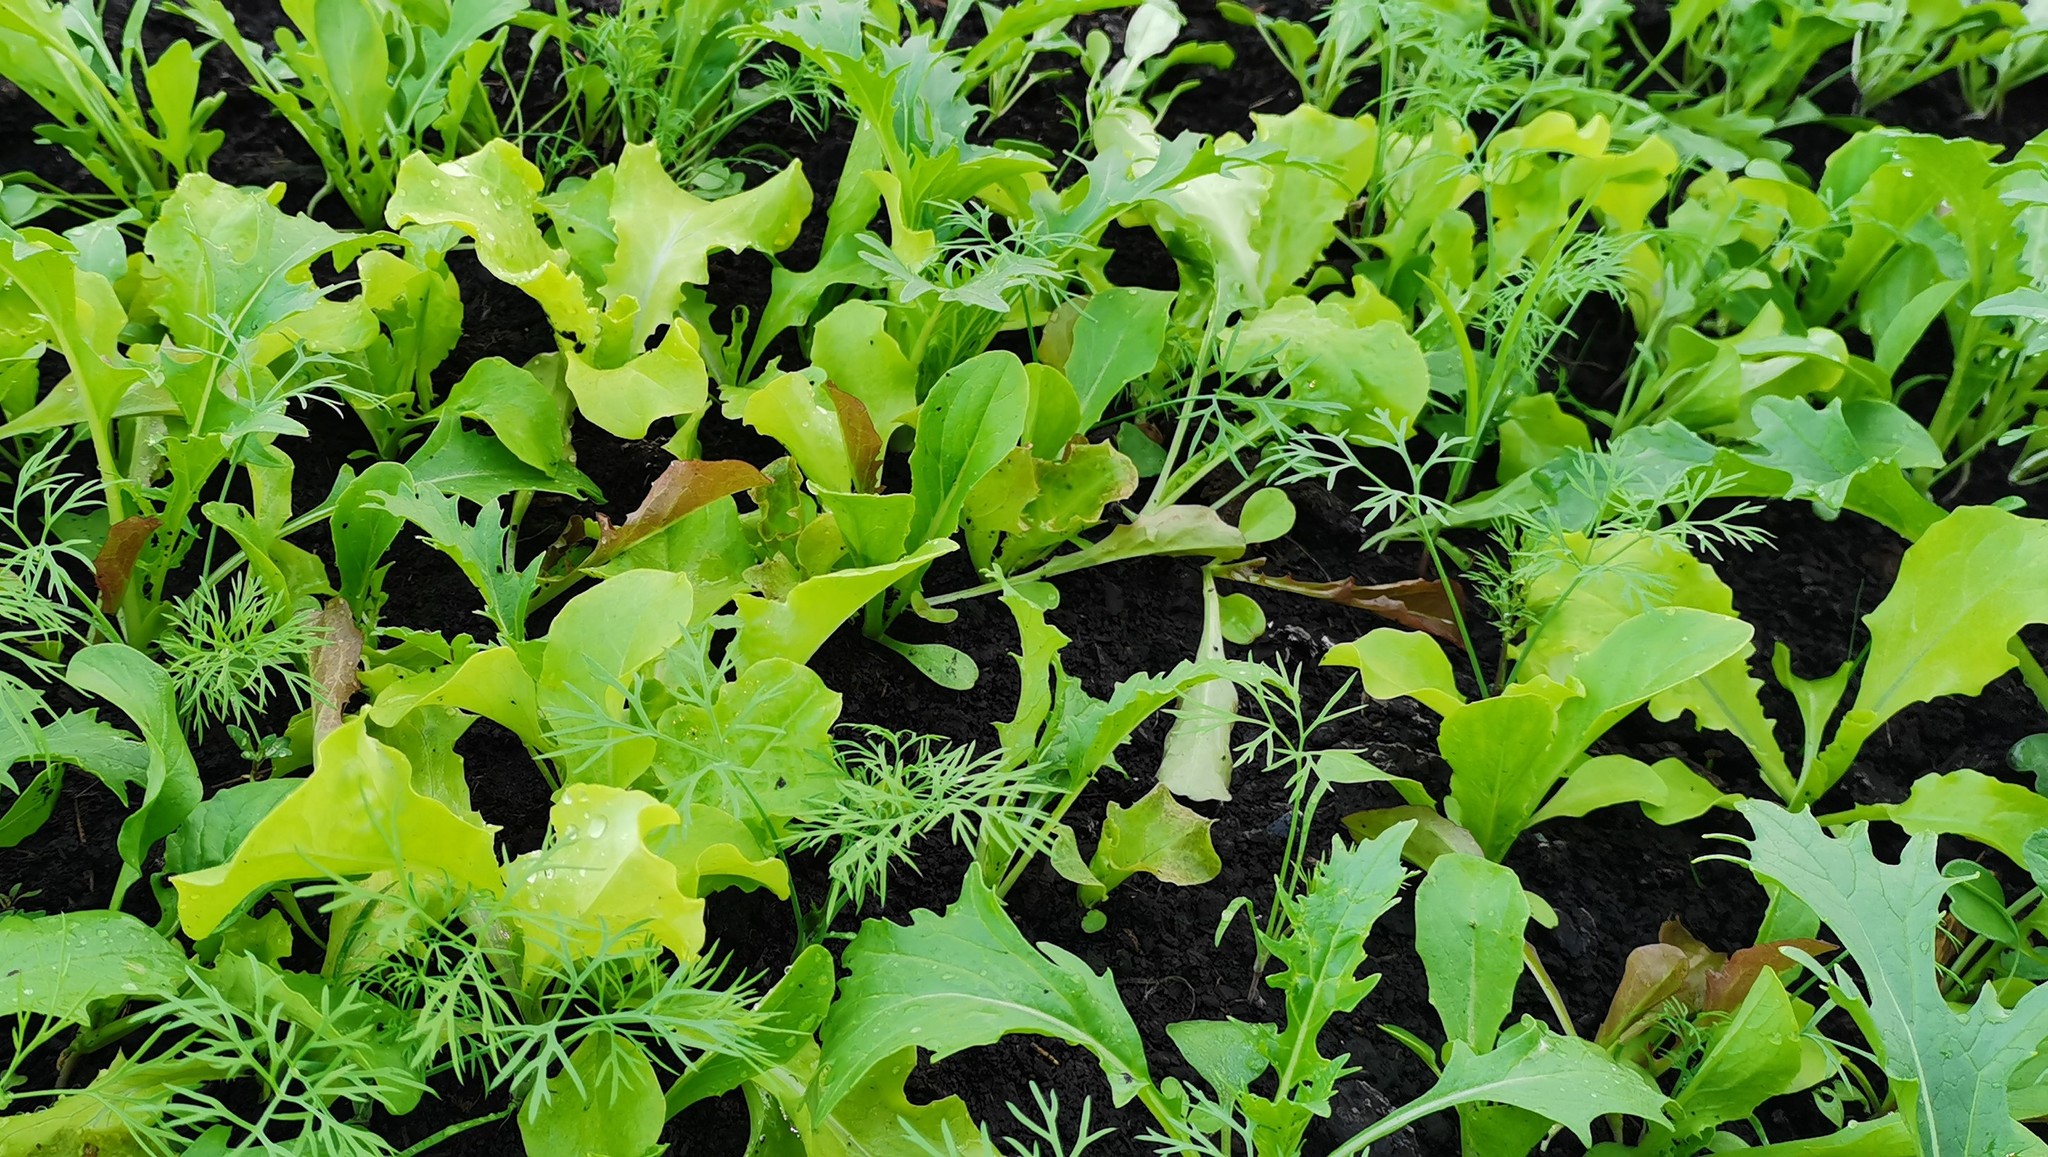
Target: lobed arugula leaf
(1950,1068)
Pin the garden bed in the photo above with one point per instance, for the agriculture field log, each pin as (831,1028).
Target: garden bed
(1612,877)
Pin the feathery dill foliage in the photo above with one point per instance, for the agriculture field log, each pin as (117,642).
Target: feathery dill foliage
(313,1064)
(1620,508)
(1043,1128)
(40,601)
(228,654)
(977,258)
(480,1010)
(902,786)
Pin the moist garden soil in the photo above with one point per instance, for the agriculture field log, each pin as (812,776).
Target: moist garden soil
(1613,877)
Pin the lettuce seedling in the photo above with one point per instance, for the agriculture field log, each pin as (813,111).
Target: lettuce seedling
(1520,757)
(613,268)
(367,82)
(58,54)
(1947,627)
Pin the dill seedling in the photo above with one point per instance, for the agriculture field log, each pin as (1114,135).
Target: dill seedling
(901,787)
(229,654)
(41,606)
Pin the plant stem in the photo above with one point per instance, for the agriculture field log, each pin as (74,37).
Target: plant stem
(1551,992)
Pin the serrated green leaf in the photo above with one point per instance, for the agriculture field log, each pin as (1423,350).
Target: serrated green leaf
(1950,1069)
(171,788)
(968,978)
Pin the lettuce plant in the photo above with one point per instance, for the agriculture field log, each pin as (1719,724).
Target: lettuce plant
(57,52)
(367,82)
(612,269)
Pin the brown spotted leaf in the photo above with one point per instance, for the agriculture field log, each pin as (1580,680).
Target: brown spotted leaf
(682,488)
(334,666)
(115,563)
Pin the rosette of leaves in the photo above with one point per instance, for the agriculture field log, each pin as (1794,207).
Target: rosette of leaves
(613,266)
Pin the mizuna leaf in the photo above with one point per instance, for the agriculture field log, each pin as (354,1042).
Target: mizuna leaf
(1323,948)
(1950,1069)
(967,978)
(356,814)
(601,882)
(66,966)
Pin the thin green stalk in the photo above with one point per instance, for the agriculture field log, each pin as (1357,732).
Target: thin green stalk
(1551,992)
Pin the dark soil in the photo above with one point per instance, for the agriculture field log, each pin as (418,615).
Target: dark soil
(1613,877)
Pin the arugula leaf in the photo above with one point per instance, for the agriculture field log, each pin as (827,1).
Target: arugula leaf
(1470,915)
(483,550)
(1322,948)
(1949,1068)
(1562,1079)
(171,788)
